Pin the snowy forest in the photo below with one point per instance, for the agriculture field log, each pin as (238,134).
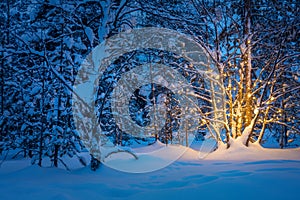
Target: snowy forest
(253,44)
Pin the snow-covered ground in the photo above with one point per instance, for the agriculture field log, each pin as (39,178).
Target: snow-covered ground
(236,173)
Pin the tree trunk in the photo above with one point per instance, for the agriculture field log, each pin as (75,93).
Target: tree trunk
(55,158)
(41,136)
(8,22)
(2,93)
(283,134)
(262,132)
(95,163)
(247,63)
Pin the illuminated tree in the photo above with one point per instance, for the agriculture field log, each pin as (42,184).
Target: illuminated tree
(253,44)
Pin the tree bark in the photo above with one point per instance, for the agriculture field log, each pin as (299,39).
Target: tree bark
(247,63)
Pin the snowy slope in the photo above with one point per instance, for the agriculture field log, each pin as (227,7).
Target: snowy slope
(254,152)
(227,174)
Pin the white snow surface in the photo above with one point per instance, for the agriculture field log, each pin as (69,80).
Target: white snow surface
(236,173)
